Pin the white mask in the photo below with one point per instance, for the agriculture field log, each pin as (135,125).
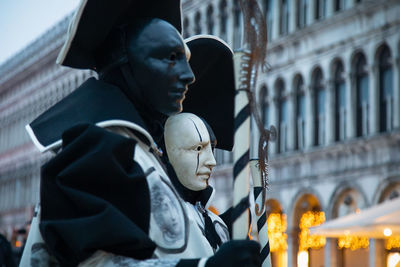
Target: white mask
(189,150)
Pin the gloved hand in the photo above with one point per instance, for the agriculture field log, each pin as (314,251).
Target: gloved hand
(236,253)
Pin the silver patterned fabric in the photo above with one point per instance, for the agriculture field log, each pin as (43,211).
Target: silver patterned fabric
(105,259)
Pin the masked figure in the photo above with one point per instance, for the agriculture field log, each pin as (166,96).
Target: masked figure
(190,145)
(102,191)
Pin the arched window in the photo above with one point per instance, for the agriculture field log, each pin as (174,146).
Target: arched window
(340,102)
(186,31)
(362,95)
(319,107)
(385,90)
(302,10)
(237,23)
(320,9)
(284,17)
(282,116)
(223,16)
(210,20)
(300,113)
(197,25)
(265,106)
(269,17)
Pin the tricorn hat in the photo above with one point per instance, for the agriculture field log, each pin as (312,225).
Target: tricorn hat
(94,20)
(212,95)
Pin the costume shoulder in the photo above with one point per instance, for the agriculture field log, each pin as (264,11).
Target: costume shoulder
(95,197)
(94,102)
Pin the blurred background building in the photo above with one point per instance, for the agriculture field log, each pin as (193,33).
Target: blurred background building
(332,91)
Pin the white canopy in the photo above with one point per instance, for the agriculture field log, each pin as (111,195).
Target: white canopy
(370,222)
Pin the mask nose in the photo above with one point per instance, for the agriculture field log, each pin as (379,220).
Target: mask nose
(186,75)
(210,161)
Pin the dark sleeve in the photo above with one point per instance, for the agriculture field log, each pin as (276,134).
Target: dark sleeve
(95,197)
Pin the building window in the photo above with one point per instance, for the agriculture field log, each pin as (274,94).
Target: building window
(340,102)
(197,21)
(223,19)
(237,22)
(284,17)
(319,108)
(320,9)
(210,20)
(385,90)
(302,9)
(269,17)
(282,117)
(265,106)
(338,5)
(362,96)
(300,127)
(186,32)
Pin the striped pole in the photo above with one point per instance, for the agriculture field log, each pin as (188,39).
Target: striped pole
(241,152)
(261,219)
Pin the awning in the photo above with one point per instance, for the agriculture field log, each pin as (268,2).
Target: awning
(370,222)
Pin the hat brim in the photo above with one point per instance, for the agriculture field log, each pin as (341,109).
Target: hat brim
(212,95)
(94,19)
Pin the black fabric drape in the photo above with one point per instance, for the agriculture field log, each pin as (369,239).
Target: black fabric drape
(94,196)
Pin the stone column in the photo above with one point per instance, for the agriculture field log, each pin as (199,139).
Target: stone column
(372,252)
(377,253)
(275,19)
(329,8)
(292,16)
(291,112)
(330,112)
(229,24)
(396,93)
(349,3)
(327,253)
(311,12)
(373,113)
(310,117)
(351,105)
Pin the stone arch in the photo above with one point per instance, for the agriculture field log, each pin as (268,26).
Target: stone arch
(333,65)
(339,190)
(314,71)
(279,83)
(296,77)
(354,56)
(385,188)
(378,50)
(295,200)
(263,93)
(273,206)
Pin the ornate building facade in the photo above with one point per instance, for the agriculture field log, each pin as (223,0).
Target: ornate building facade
(332,91)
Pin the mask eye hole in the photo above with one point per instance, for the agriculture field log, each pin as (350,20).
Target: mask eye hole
(172,56)
(198,148)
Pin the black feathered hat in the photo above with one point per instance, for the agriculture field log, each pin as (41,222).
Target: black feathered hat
(94,20)
(212,95)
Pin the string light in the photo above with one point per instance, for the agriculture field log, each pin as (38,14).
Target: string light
(353,242)
(306,240)
(277,225)
(392,242)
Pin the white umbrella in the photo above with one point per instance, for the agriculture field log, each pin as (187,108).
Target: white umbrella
(379,221)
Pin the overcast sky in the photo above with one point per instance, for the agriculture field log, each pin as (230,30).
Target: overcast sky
(23,21)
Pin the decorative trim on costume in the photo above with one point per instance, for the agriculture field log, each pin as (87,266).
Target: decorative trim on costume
(202,262)
(102,124)
(71,32)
